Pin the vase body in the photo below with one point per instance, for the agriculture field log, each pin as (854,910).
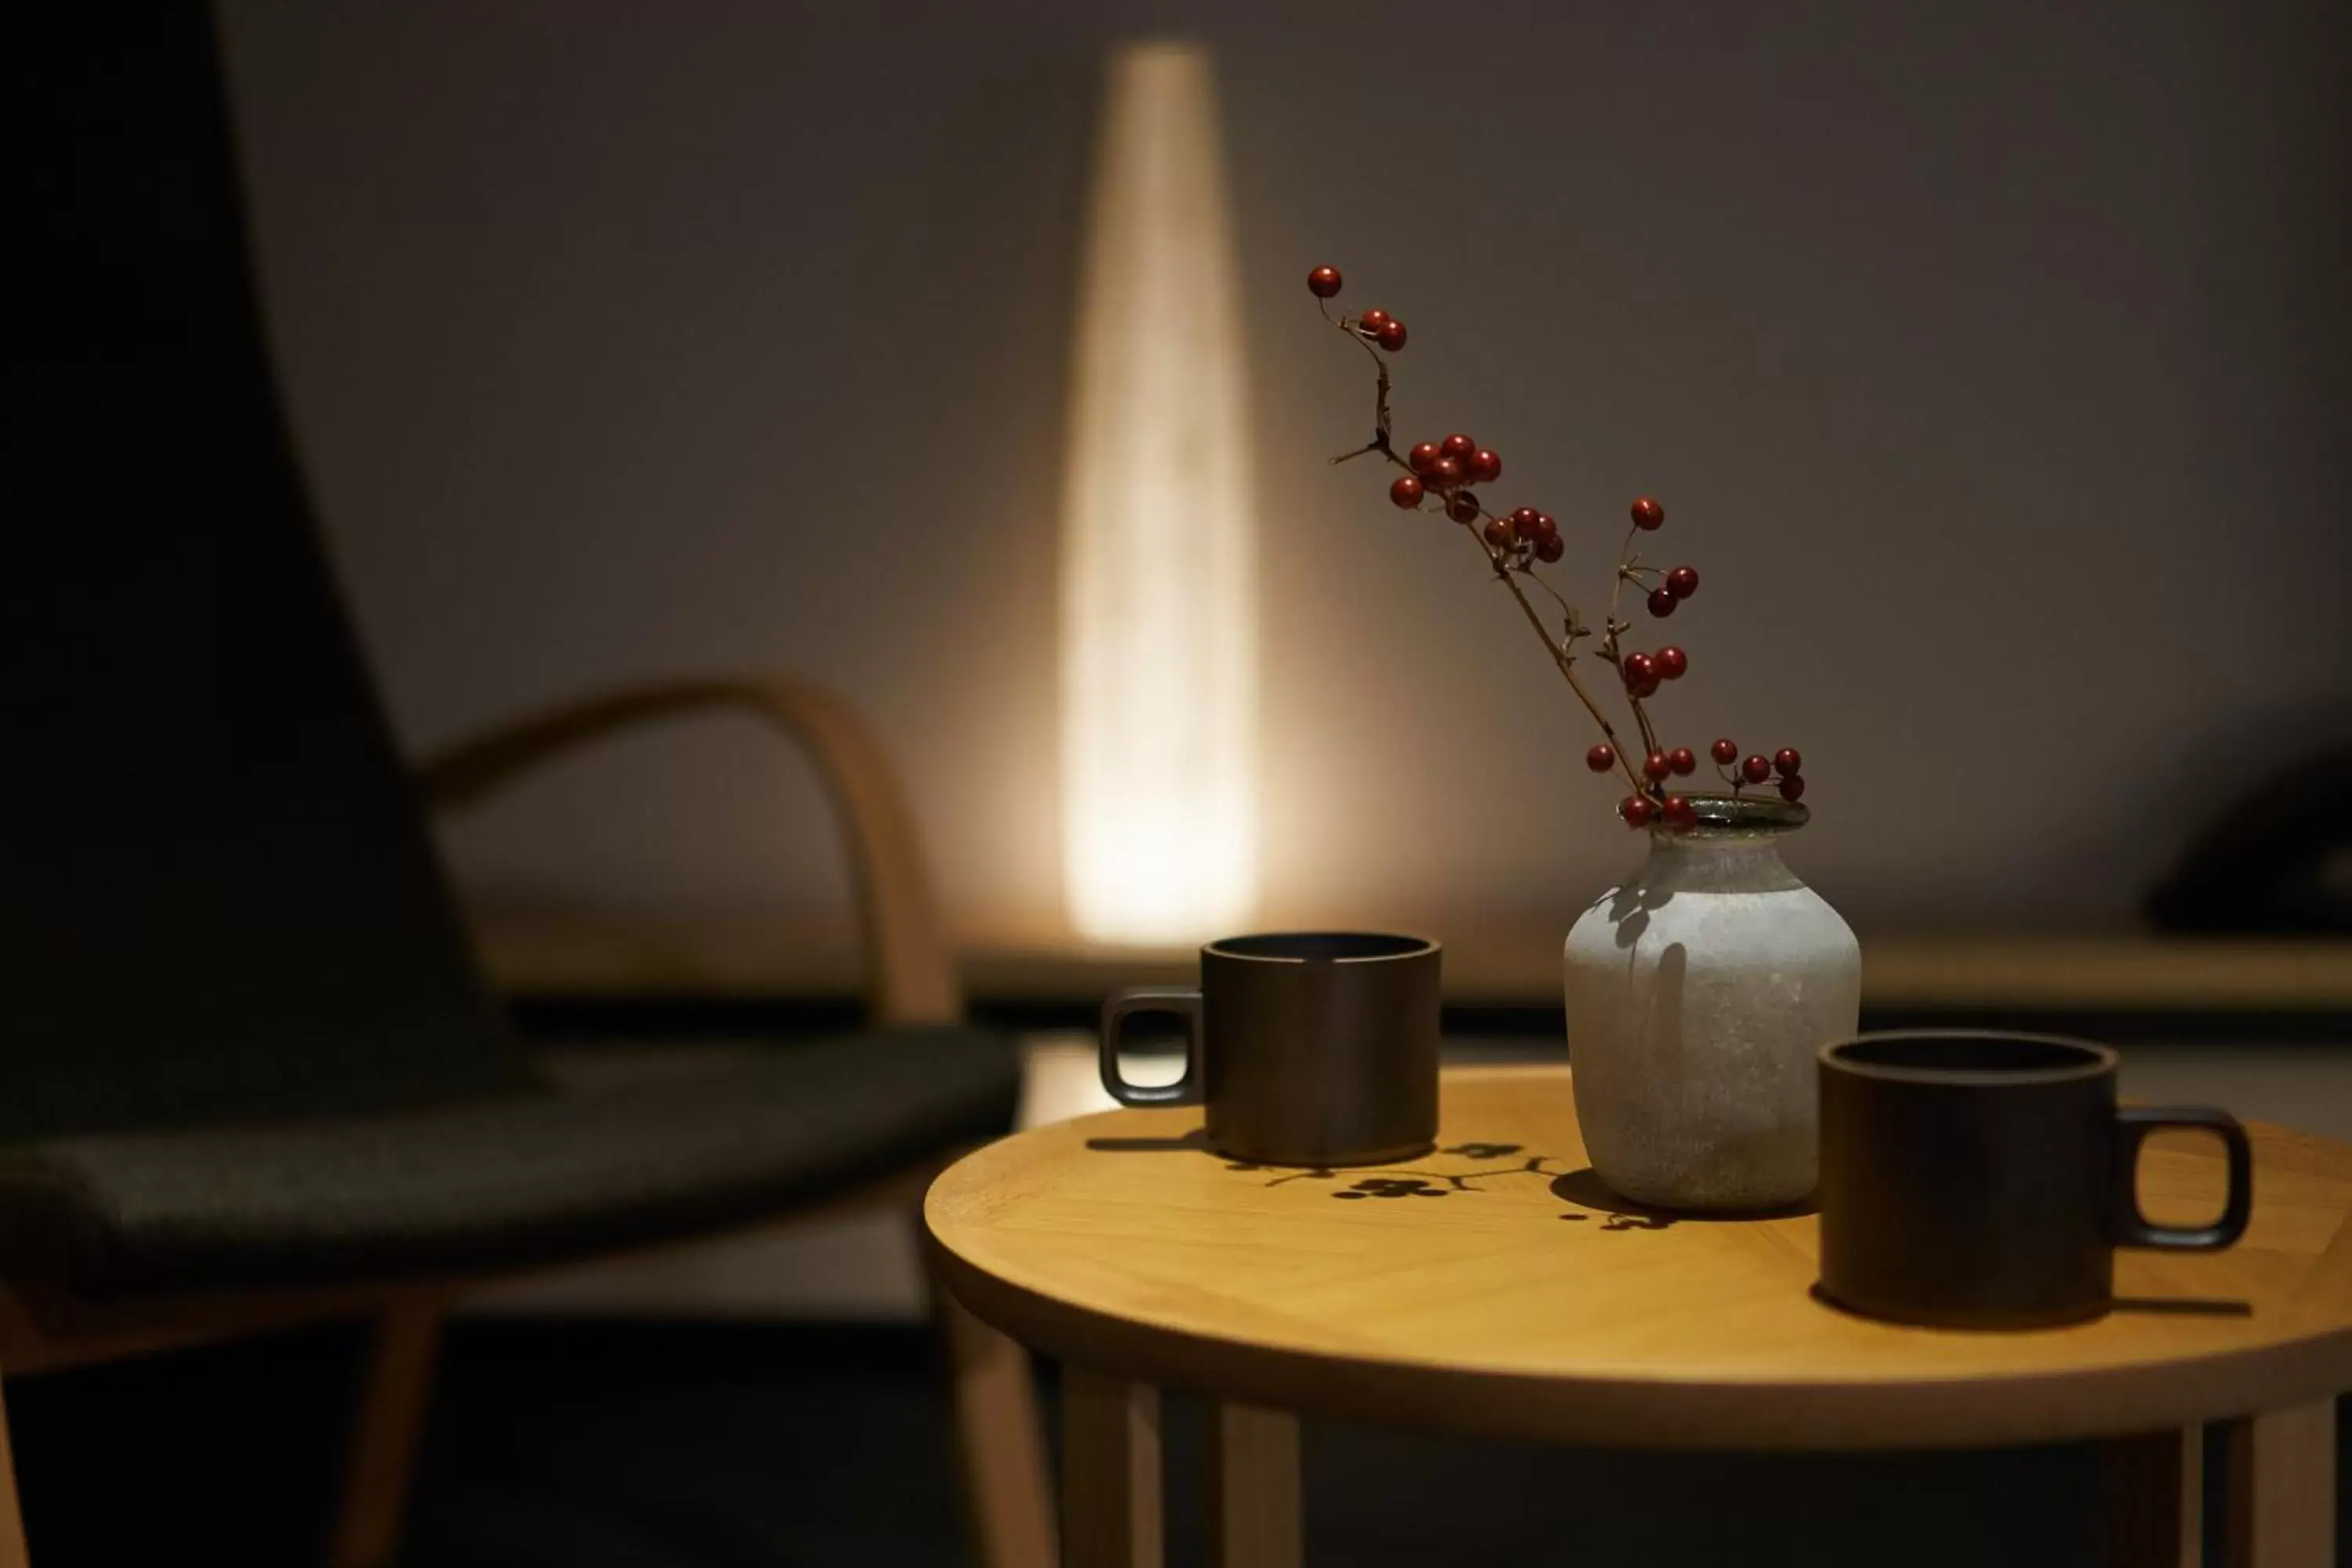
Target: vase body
(1697,995)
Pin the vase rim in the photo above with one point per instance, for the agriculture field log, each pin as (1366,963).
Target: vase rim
(1727,815)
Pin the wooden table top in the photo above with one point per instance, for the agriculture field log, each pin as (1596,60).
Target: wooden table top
(1496,1286)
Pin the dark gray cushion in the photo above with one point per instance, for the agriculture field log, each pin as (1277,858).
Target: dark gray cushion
(578,1168)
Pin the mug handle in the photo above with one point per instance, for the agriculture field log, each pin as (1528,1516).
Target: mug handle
(1185,1005)
(2133,1124)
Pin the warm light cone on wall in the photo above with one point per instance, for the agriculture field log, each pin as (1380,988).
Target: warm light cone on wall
(1159,540)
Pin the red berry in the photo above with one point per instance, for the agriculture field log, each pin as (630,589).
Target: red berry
(1459,447)
(1602,758)
(1636,810)
(1681,759)
(1371,320)
(1638,668)
(1391,336)
(1422,457)
(1551,548)
(1544,527)
(1648,513)
(1407,492)
(1323,282)
(1756,768)
(1662,603)
(1726,751)
(1680,813)
(1497,533)
(1787,761)
(1485,466)
(1523,517)
(1672,662)
(1792,787)
(1445,471)
(1648,688)
(1463,508)
(1655,767)
(1683,581)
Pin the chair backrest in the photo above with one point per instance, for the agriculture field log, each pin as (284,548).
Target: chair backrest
(220,900)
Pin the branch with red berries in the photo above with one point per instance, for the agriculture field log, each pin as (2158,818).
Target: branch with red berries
(1438,479)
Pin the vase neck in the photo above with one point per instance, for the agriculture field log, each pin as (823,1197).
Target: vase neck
(1705,862)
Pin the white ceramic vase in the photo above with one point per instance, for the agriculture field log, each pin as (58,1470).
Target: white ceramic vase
(1697,995)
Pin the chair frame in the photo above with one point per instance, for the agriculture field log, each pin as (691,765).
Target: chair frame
(910,979)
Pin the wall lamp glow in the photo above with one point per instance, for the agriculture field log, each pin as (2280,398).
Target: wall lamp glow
(1159,538)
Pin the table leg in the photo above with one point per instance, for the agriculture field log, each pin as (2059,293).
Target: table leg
(1253,1510)
(2153,1484)
(1000,1442)
(1110,1472)
(2281,1480)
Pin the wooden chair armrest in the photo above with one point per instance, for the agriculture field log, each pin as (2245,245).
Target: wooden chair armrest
(911,970)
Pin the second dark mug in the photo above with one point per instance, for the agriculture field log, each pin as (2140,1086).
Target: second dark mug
(1976,1179)
(1304,1047)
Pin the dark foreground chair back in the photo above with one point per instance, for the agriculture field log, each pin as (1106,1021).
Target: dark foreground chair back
(248,1074)
(221,903)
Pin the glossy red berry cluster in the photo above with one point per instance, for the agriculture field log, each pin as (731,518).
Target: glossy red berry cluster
(1677,585)
(1441,478)
(1445,470)
(1756,768)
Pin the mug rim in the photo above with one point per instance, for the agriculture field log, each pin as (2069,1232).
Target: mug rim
(2099,1060)
(1422,947)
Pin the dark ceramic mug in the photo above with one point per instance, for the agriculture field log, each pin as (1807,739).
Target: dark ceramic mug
(1302,1047)
(1977,1179)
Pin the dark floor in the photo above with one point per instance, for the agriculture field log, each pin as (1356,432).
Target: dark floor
(633,1445)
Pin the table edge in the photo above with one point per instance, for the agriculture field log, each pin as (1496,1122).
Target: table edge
(2011,1410)
(1650,1411)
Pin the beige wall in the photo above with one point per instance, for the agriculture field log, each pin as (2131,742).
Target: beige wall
(1991,361)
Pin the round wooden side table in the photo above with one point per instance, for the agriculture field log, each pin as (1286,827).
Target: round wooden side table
(1496,1286)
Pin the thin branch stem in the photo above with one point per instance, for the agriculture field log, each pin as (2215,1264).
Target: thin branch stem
(1624,557)
(1641,717)
(1548,588)
(1566,662)
(1380,422)
(1609,645)
(1563,654)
